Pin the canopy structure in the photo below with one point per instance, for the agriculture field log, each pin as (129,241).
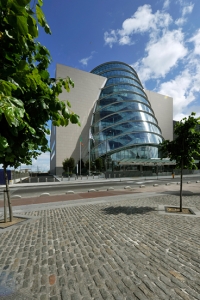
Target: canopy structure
(147,162)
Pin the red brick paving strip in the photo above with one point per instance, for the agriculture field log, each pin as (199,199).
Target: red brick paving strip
(57,198)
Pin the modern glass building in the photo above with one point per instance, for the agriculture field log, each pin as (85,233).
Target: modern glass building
(124,125)
(120,121)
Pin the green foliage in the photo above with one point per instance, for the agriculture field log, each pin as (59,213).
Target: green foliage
(87,164)
(99,164)
(28,96)
(68,163)
(186,145)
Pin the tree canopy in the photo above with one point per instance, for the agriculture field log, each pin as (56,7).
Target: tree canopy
(68,164)
(28,96)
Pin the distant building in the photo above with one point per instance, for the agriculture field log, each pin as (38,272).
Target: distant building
(120,121)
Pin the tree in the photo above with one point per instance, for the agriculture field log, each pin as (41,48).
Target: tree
(185,146)
(68,164)
(81,166)
(99,164)
(28,96)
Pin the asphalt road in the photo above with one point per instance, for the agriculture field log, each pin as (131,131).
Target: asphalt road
(56,189)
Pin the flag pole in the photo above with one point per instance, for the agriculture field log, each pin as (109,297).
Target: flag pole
(89,155)
(80,155)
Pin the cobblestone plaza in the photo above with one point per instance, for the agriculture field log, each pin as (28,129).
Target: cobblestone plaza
(118,249)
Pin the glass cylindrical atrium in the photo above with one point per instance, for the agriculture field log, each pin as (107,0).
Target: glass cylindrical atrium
(123,124)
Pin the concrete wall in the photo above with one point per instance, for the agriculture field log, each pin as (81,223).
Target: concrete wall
(82,98)
(163,109)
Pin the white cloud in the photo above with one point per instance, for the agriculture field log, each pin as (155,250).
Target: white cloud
(84,61)
(125,40)
(184,89)
(110,38)
(180,21)
(187,9)
(166,4)
(196,40)
(165,51)
(162,55)
(142,21)
(178,89)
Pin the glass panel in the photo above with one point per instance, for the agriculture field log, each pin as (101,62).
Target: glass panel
(120,106)
(122,117)
(121,96)
(125,128)
(126,140)
(146,152)
(117,80)
(110,66)
(120,73)
(121,87)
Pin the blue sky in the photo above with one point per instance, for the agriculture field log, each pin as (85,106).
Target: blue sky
(160,39)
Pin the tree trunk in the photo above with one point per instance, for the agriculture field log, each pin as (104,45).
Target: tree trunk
(5,206)
(8,194)
(181,187)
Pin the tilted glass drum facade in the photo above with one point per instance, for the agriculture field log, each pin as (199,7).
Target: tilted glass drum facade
(123,124)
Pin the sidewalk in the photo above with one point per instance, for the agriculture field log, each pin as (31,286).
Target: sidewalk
(85,180)
(109,247)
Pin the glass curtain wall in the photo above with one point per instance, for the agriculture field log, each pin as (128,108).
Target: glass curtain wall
(124,124)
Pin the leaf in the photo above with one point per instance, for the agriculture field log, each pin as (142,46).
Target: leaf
(40,2)
(47,29)
(74,119)
(16,102)
(23,2)
(3,143)
(23,65)
(67,86)
(44,74)
(40,15)
(68,104)
(32,26)
(22,24)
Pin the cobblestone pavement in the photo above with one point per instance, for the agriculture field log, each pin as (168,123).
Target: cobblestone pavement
(119,250)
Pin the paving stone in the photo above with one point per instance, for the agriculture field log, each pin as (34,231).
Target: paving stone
(83,253)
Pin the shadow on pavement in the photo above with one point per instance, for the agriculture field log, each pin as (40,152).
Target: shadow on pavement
(128,210)
(177,193)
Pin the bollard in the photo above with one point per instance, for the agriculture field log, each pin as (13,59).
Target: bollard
(62,178)
(81,177)
(38,180)
(29,179)
(87,176)
(68,178)
(93,176)
(46,179)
